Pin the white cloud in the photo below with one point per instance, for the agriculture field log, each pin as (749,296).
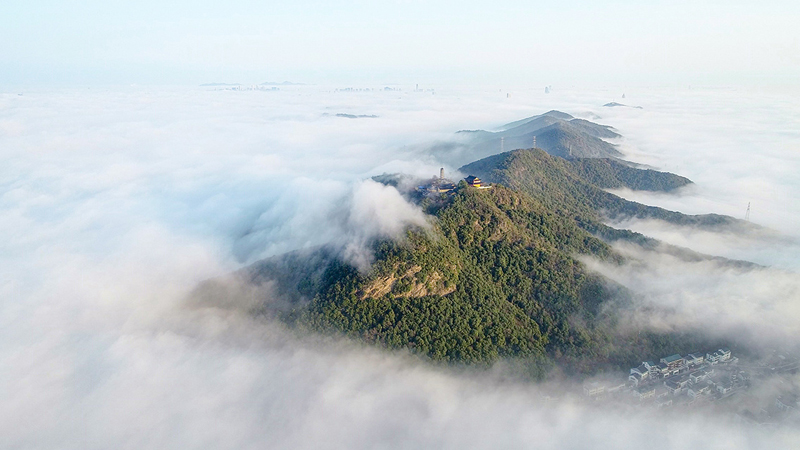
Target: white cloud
(755,306)
(115,204)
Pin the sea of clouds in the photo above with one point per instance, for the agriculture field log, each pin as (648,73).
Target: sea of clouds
(116,202)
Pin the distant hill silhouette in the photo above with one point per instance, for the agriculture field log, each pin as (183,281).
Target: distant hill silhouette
(552,113)
(556,132)
(615,104)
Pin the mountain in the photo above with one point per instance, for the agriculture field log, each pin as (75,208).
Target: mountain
(552,113)
(613,174)
(615,104)
(568,141)
(497,274)
(498,271)
(593,129)
(526,129)
(575,187)
(556,132)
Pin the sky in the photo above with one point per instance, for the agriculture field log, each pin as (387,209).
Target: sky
(477,42)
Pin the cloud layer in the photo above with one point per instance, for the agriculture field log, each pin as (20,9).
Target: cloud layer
(116,203)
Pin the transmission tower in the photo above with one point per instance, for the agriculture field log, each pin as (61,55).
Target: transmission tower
(747,214)
(534,142)
(502,145)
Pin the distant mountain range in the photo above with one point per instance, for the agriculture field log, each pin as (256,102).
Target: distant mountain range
(357,116)
(557,133)
(615,104)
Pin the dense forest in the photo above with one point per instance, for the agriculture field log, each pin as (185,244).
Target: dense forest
(494,277)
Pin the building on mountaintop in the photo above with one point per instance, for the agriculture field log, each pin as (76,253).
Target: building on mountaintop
(473,181)
(476,182)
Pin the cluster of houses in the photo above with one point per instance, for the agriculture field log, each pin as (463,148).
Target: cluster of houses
(700,379)
(672,365)
(694,375)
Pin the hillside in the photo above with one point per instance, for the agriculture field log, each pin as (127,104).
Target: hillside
(574,187)
(495,276)
(612,174)
(552,113)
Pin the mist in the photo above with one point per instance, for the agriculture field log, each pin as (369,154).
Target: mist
(117,202)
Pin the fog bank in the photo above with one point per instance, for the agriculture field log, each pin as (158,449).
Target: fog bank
(115,204)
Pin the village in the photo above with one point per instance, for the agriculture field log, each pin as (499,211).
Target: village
(715,378)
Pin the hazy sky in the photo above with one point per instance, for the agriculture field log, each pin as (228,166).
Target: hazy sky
(92,41)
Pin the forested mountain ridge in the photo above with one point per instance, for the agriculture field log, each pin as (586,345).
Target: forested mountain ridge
(494,276)
(574,187)
(497,273)
(609,173)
